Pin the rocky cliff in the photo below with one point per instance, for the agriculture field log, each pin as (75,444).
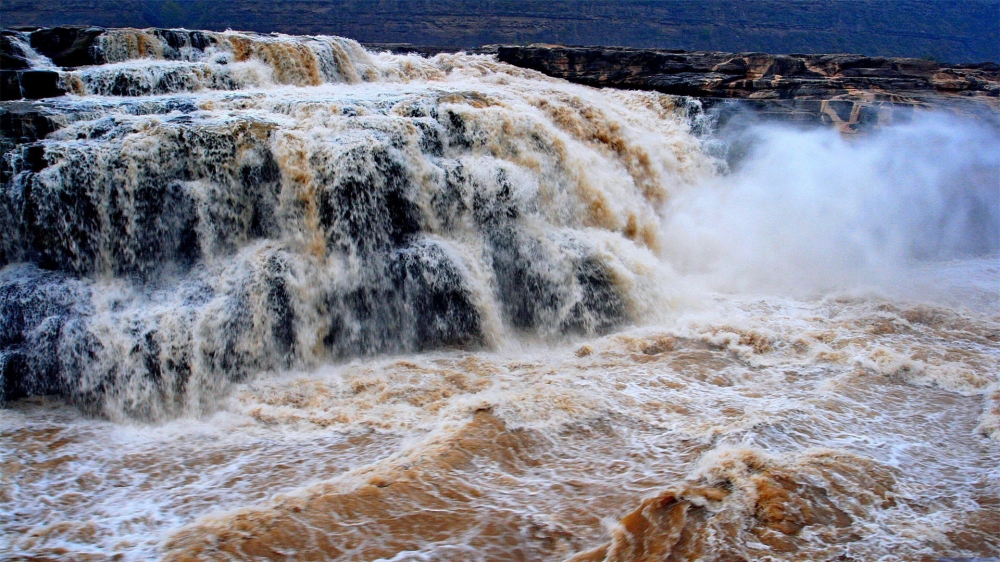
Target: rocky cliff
(853,92)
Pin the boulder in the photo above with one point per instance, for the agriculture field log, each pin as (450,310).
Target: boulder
(69,46)
(10,85)
(38,84)
(12,56)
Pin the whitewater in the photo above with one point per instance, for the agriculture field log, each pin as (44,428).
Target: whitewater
(267,297)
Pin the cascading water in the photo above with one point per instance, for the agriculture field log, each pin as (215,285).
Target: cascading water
(340,289)
(277,227)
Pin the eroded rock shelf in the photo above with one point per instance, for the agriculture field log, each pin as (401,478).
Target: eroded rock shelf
(852,92)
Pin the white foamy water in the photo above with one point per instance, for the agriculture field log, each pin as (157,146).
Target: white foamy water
(296,301)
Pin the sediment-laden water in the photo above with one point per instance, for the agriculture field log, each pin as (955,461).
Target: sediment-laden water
(271,297)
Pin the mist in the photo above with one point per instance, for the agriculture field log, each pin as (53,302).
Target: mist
(814,211)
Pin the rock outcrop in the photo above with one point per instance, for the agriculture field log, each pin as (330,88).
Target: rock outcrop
(69,46)
(12,55)
(853,92)
(29,84)
(18,80)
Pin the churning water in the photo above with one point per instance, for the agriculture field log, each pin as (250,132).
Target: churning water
(271,297)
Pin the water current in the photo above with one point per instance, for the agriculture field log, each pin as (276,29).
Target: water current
(271,297)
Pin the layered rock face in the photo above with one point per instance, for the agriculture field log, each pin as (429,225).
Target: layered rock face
(852,92)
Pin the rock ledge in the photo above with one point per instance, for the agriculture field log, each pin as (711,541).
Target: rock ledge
(852,92)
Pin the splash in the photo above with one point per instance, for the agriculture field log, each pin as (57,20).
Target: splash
(812,211)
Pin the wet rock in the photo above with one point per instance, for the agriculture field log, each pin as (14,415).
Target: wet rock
(34,157)
(366,206)
(438,304)
(25,123)
(30,84)
(527,294)
(38,84)
(12,56)
(411,299)
(601,307)
(851,92)
(37,308)
(176,39)
(69,46)
(10,85)
(88,219)
(12,375)
(254,321)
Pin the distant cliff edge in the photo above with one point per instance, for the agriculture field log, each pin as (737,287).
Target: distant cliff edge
(851,92)
(954,31)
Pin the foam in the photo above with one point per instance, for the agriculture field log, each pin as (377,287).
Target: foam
(690,357)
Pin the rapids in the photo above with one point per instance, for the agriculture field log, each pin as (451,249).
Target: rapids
(275,297)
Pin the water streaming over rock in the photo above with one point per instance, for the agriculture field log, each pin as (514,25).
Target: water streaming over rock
(278,227)
(369,306)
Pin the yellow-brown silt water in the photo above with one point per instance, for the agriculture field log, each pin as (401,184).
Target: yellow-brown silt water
(281,298)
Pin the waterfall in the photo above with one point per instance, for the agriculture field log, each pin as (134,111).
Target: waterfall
(211,206)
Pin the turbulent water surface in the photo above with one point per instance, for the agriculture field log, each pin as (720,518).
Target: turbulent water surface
(270,297)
